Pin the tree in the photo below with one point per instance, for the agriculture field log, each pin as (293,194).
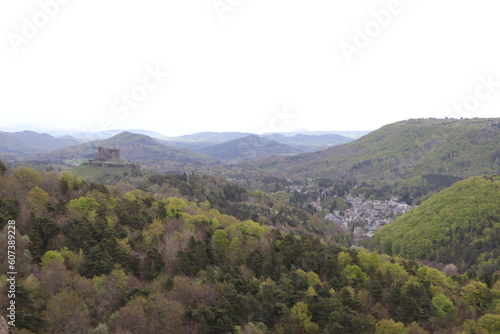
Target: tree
(84,205)
(477,296)
(193,259)
(389,326)
(3,168)
(153,264)
(51,256)
(442,304)
(111,293)
(28,177)
(490,322)
(42,231)
(130,318)
(301,317)
(54,275)
(67,313)
(344,258)
(98,261)
(164,316)
(354,274)
(38,199)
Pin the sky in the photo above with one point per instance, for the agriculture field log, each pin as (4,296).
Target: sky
(180,67)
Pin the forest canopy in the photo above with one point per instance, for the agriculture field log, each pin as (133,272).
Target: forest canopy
(117,259)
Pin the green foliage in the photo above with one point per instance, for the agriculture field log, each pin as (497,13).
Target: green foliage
(411,158)
(28,177)
(390,327)
(83,205)
(67,313)
(123,260)
(51,256)
(38,199)
(442,304)
(301,316)
(458,225)
(487,324)
(354,274)
(490,322)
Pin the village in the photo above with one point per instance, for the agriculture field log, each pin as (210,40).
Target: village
(364,217)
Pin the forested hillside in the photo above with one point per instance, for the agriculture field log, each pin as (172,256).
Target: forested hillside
(459,225)
(413,157)
(161,258)
(248,148)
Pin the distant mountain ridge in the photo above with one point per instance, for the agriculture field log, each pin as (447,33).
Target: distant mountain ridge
(136,148)
(29,142)
(198,149)
(202,140)
(101,135)
(403,150)
(248,148)
(309,143)
(301,142)
(306,141)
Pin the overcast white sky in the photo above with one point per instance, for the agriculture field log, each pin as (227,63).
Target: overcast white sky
(275,65)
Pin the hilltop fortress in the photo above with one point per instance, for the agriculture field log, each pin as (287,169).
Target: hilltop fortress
(109,157)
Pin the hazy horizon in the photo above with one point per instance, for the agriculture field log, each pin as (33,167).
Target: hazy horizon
(56,131)
(61,132)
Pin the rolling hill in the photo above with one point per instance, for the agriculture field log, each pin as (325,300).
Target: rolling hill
(202,140)
(405,150)
(302,142)
(459,225)
(25,143)
(248,148)
(309,143)
(135,148)
(86,136)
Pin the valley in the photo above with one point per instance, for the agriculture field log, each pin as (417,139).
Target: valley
(396,231)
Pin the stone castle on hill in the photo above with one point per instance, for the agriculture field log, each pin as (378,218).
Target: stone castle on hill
(108,154)
(109,157)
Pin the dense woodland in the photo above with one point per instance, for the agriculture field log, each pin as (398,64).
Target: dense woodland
(189,254)
(459,225)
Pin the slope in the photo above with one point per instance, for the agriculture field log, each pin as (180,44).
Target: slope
(248,148)
(29,142)
(201,140)
(309,143)
(135,148)
(459,225)
(413,152)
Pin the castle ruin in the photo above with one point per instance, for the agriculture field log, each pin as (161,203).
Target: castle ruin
(109,157)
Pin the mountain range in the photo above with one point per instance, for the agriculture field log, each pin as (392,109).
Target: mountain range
(402,150)
(229,147)
(135,148)
(26,143)
(423,153)
(302,142)
(248,148)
